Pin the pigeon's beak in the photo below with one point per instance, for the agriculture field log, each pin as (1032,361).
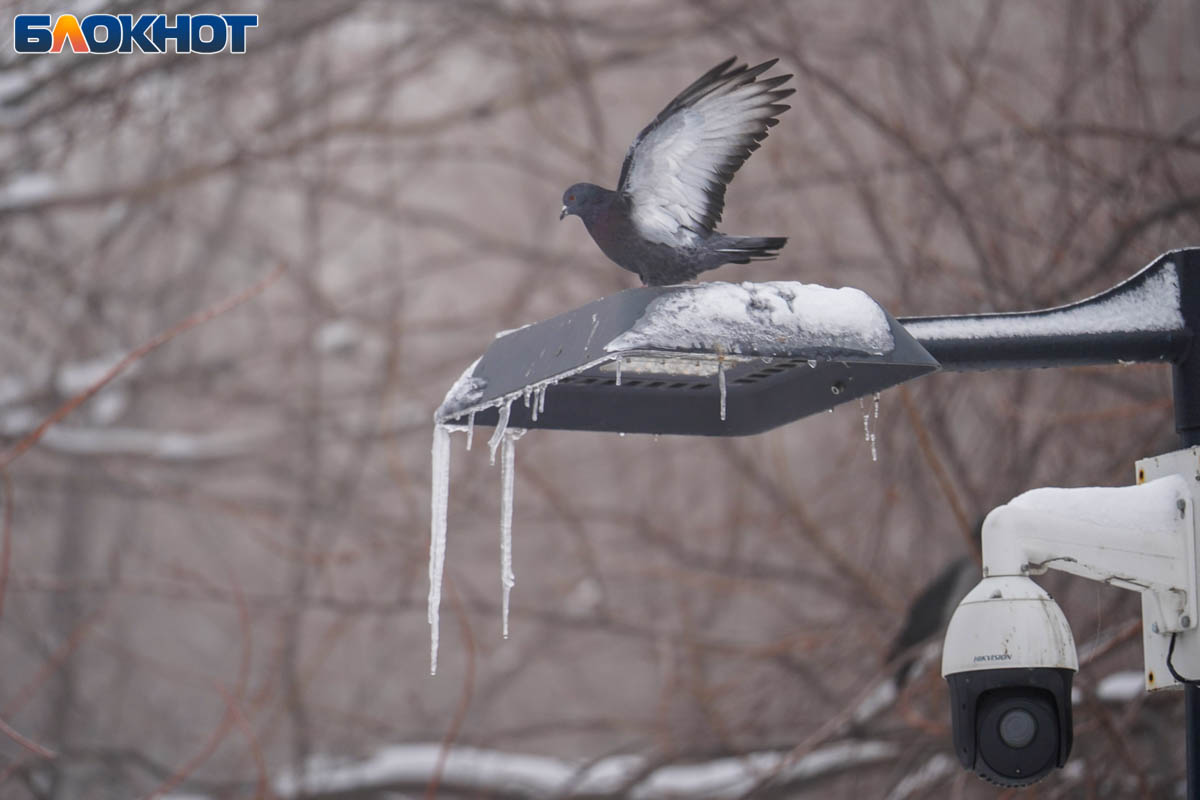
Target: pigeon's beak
(562,214)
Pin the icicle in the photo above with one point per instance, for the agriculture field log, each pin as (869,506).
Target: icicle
(545,386)
(539,400)
(439,497)
(867,427)
(874,453)
(618,370)
(868,434)
(721,385)
(528,392)
(507,580)
(470,429)
(501,427)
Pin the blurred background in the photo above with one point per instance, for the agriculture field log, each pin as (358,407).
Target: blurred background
(218,569)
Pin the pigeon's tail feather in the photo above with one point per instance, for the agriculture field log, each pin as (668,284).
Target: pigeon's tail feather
(744,249)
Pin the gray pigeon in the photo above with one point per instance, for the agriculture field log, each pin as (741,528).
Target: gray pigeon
(660,221)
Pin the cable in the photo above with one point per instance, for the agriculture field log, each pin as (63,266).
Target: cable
(1171,667)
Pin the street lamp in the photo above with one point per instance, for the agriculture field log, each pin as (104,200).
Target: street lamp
(713,359)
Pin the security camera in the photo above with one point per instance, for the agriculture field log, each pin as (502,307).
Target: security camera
(1009,660)
(1009,657)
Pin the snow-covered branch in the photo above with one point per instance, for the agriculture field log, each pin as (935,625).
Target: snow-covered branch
(409,768)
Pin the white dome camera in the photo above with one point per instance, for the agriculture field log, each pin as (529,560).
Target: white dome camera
(1009,659)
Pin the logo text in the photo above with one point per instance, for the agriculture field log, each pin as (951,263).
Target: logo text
(121,33)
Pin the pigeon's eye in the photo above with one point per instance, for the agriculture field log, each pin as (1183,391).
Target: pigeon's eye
(571,199)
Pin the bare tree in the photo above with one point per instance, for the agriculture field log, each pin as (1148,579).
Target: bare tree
(217,572)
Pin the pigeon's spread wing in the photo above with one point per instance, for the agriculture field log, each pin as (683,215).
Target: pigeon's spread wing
(676,170)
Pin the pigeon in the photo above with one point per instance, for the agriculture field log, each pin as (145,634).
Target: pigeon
(660,223)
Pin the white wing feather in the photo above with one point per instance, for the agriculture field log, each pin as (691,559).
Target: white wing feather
(677,169)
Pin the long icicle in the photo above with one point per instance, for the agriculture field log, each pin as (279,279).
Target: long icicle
(439,497)
(507,465)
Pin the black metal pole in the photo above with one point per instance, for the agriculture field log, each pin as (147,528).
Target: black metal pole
(1191,693)
(1186,386)
(1186,371)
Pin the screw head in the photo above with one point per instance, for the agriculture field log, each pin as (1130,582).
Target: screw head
(1185,621)
(1154,627)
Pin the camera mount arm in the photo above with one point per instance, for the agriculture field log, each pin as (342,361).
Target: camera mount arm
(1141,538)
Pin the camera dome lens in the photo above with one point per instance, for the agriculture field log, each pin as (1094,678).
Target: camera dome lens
(1017,734)
(1017,728)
